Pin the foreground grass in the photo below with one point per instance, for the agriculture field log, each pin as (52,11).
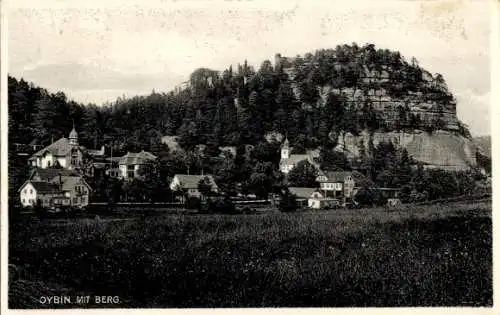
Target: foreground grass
(439,255)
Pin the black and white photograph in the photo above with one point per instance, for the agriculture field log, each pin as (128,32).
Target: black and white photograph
(247,154)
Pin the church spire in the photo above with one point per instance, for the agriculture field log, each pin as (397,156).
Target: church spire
(73,136)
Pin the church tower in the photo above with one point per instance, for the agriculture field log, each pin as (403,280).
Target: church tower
(73,137)
(285,150)
(74,159)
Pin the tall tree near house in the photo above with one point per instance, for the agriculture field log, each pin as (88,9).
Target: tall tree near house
(303,175)
(330,159)
(205,187)
(403,170)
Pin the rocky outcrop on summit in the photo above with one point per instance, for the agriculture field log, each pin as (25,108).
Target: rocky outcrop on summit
(392,88)
(405,103)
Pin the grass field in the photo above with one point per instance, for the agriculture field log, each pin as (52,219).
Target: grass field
(435,255)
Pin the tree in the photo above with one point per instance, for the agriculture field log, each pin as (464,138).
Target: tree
(288,202)
(303,175)
(154,185)
(403,171)
(205,187)
(330,159)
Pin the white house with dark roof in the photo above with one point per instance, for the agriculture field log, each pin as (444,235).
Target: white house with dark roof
(130,163)
(313,198)
(65,152)
(288,161)
(340,184)
(59,190)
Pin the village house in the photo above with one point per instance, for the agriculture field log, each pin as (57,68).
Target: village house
(65,152)
(130,163)
(288,161)
(313,198)
(40,189)
(341,184)
(189,184)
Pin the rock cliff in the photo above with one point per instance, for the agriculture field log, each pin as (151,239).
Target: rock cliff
(441,149)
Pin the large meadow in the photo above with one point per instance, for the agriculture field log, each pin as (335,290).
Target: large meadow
(427,255)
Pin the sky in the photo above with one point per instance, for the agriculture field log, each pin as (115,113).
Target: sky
(96,51)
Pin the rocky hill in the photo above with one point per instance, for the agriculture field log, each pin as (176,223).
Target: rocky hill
(441,149)
(415,107)
(389,85)
(343,95)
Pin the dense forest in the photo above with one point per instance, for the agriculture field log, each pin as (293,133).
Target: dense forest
(238,107)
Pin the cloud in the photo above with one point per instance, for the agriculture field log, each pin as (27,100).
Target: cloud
(474,110)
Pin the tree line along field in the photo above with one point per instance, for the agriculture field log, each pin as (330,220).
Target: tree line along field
(428,255)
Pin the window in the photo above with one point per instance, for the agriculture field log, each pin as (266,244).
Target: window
(31,191)
(24,192)
(24,201)
(74,200)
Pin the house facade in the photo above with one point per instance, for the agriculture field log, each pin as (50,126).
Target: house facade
(313,198)
(318,200)
(130,163)
(50,188)
(339,184)
(65,153)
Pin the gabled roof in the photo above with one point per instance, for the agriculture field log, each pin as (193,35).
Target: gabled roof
(69,182)
(59,148)
(191,181)
(302,192)
(41,187)
(136,158)
(47,174)
(286,144)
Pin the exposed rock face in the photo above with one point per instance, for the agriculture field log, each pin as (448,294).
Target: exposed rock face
(398,94)
(371,89)
(442,149)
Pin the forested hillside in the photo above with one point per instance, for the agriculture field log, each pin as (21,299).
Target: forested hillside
(312,99)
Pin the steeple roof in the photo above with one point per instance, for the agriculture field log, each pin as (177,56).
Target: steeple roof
(73,134)
(285,144)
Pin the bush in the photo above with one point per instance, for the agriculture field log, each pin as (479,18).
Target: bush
(248,210)
(222,206)
(193,203)
(288,203)
(14,209)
